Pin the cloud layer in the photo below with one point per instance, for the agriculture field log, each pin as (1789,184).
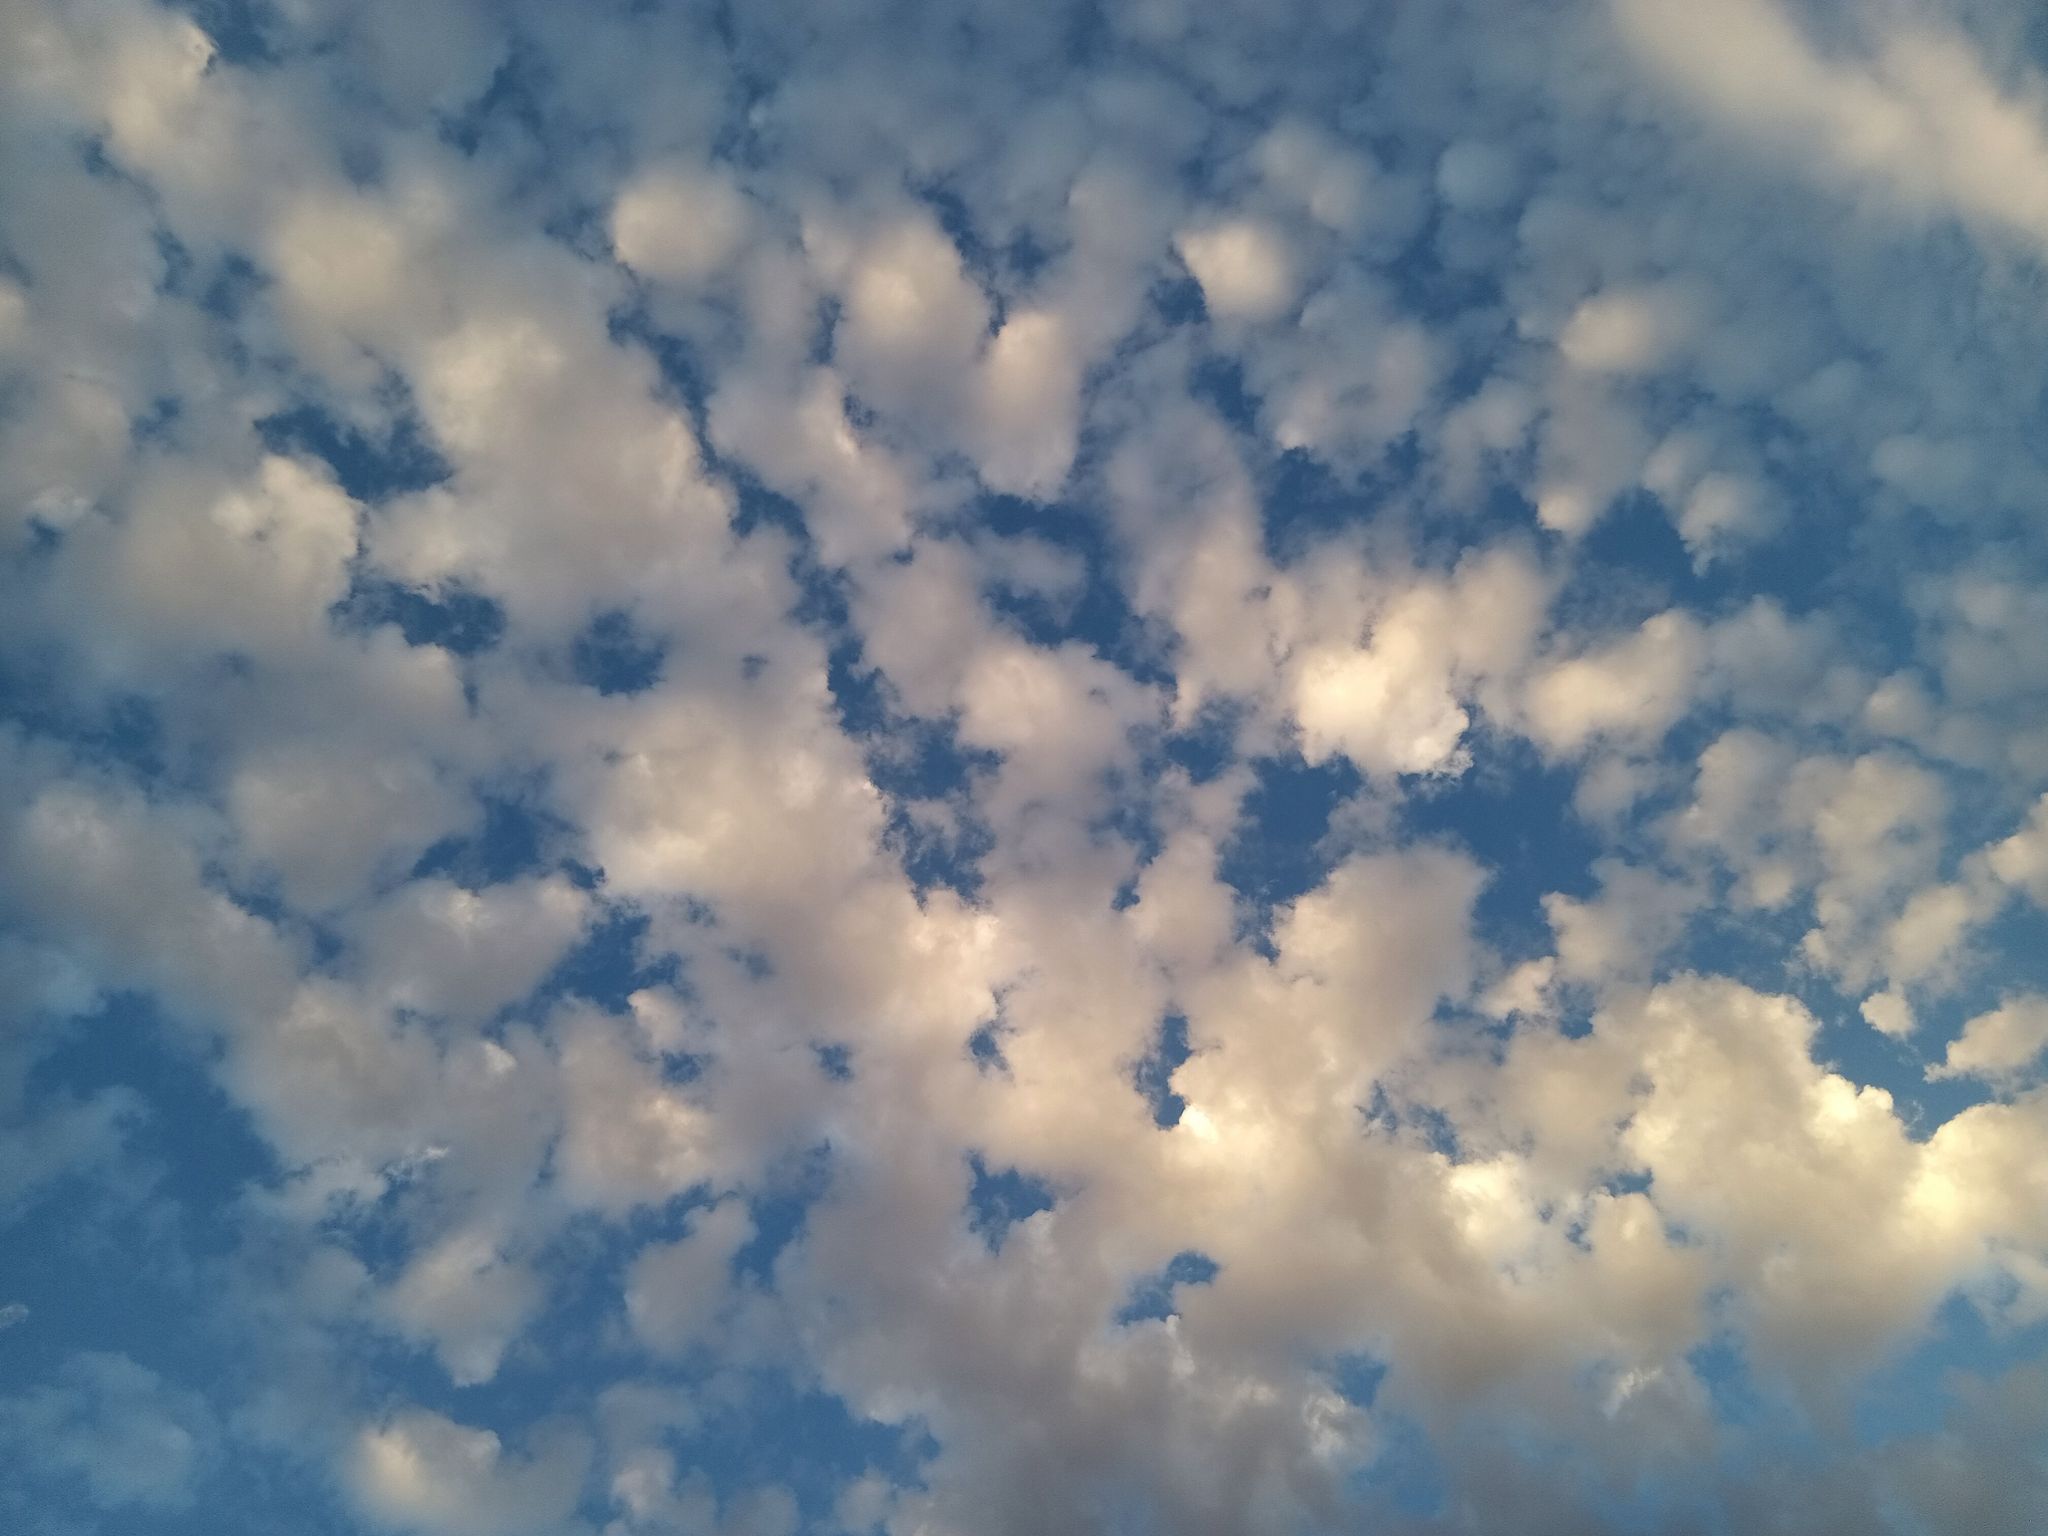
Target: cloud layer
(1017,770)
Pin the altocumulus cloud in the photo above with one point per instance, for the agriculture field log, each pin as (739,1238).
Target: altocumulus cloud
(1006,770)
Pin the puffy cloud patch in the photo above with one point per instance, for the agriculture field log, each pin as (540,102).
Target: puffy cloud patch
(418,1471)
(1195,799)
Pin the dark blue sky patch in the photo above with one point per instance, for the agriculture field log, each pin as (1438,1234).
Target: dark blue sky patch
(176,257)
(256,1493)
(509,116)
(985,1046)
(158,421)
(911,760)
(585,1270)
(1634,547)
(1153,1075)
(908,757)
(1440,291)
(1099,615)
(1303,503)
(824,331)
(934,859)
(614,656)
(1358,1378)
(203,1141)
(1389,1115)
(981,261)
(451,616)
(127,1256)
(580,1346)
(229,288)
(242,30)
(1152,1297)
(781,1211)
(1408,1475)
(999,1198)
(1277,853)
(1435,1129)
(1208,745)
(766,1429)
(1218,380)
(611,963)
(822,602)
(369,469)
(611,1241)
(1915,1394)
(685,381)
(1379,1113)
(1739,1399)
(679,1069)
(1131,817)
(1513,813)
(1178,301)
(1444,531)
(859,692)
(515,836)
(123,731)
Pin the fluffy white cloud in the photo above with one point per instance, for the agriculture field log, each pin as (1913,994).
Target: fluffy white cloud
(1244,268)
(469,1300)
(2001,1044)
(678,226)
(418,1471)
(1588,528)
(1634,688)
(674,1291)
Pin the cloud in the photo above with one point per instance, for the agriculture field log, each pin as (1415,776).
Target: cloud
(116,1429)
(1244,268)
(1634,688)
(1920,116)
(678,226)
(674,1291)
(2000,1045)
(1290,730)
(418,1471)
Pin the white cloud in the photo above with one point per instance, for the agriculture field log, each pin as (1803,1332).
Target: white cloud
(940,807)
(418,1471)
(469,1300)
(1030,405)
(1392,705)
(1244,268)
(2000,1045)
(674,1291)
(1889,1013)
(1922,118)
(2022,859)
(1634,688)
(1627,331)
(437,948)
(679,226)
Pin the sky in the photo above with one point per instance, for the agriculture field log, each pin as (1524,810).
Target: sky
(839,768)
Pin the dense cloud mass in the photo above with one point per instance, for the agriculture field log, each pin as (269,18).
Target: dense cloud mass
(987,769)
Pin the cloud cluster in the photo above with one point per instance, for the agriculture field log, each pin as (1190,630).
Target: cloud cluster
(1023,769)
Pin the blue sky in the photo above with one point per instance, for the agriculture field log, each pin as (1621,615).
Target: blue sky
(969,770)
